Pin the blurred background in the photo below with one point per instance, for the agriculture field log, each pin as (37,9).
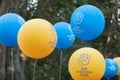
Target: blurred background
(55,11)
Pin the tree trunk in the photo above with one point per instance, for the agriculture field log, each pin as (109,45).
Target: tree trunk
(19,64)
(18,70)
(9,67)
(2,62)
(10,6)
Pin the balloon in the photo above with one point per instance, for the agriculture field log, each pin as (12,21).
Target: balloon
(86,64)
(10,24)
(111,68)
(65,35)
(37,38)
(87,22)
(117,59)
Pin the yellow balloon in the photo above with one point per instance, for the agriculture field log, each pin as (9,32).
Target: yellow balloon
(86,64)
(117,59)
(37,38)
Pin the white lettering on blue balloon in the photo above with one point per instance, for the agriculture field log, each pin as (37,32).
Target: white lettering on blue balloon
(71,37)
(77,30)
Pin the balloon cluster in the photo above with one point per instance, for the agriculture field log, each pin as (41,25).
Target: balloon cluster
(87,63)
(37,38)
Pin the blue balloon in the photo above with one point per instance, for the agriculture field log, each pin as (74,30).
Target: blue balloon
(65,35)
(10,24)
(87,22)
(111,68)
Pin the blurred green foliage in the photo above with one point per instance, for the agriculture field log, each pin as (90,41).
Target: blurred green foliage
(60,10)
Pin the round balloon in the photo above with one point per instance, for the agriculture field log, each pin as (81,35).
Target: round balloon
(111,68)
(65,35)
(37,38)
(86,64)
(10,24)
(87,22)
(117,59)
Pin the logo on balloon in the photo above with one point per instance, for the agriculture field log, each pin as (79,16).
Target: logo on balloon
(112,67)
(84,59)
(78,17)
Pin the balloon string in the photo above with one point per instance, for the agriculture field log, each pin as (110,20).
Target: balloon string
(34,69)
(12,64)
(60,64)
